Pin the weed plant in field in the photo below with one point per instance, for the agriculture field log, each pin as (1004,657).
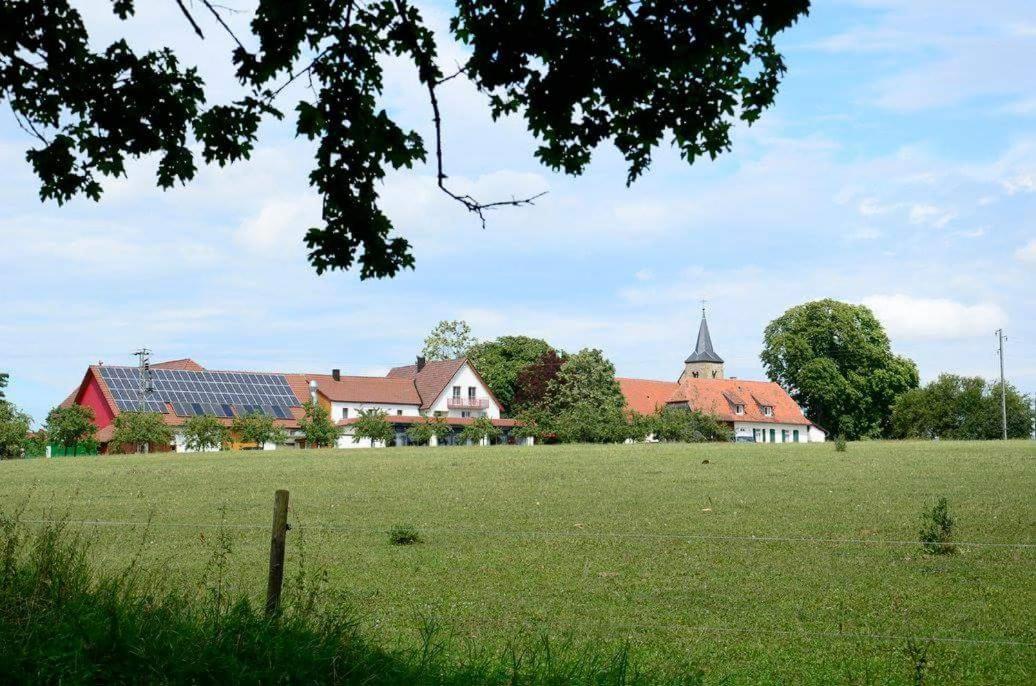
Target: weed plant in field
(404,534)
(937,529)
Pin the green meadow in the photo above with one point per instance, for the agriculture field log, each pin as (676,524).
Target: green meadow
(752,563)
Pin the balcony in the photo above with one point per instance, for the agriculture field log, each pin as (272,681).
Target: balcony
(459,403)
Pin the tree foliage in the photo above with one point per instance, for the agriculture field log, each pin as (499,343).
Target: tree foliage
(480,428)
(501,361)
(317,425)
(580,73)
(421,433)
(4,378)
(958,407)
(69,426)
(257,428)
(373,425)
(836,361)
(205,432)
(448,341)
(140,431)
(14,431)
(534,380)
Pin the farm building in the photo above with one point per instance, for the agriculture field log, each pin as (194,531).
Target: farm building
(179,389)
(756,411)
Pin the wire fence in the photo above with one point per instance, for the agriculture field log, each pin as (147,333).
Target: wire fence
(543,533)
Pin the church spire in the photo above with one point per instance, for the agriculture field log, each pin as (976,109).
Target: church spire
(703,363)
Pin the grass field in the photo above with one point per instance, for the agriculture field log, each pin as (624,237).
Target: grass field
(648,544)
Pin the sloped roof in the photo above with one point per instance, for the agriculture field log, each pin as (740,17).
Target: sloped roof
(645,395)
(714,396)
(452,421)
(186,364)
(368,389)
(703,351)
(431,381)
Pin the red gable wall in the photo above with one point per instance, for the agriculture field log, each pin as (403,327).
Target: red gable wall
(93,397)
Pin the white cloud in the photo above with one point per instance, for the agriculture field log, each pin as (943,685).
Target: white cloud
(1027,253)
(1021,183)
(279,225)
(930,215)
(910,318)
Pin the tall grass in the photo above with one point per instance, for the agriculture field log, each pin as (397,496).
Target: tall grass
(64,620)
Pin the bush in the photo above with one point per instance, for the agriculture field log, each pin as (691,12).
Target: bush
(674,424)
(840,444)
(404,534)
(937,529)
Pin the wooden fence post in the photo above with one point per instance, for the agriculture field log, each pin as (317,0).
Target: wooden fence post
(280,528)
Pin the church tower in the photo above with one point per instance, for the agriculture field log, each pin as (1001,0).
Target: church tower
(703,363)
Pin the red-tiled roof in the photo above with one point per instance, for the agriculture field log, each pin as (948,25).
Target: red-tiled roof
(431,380)
(368,389)
(186,365)
(716,397)
(644,395)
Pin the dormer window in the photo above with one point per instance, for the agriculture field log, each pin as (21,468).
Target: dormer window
(768,410)
(739,409)
(694,374)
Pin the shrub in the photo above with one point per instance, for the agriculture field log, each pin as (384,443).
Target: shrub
(481,427)
(404,534)
(374,425)
(675,424)
(840,444)
(205,432)
(937,529)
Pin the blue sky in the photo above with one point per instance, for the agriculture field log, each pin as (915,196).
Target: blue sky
(897,169)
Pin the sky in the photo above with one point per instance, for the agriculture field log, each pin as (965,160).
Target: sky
(896,169)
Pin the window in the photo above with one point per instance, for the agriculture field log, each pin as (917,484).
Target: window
(345,413)
(471,392)
(773,435)
(714,374)
(465,414)
(755,434)
(795,435)
(768,410)
(399,413)
(439,413)
(784,435)
(694,374)
(456,391)
(739,409)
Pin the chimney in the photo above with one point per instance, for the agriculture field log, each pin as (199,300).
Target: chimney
(313,390)
(336,374)
(420,362)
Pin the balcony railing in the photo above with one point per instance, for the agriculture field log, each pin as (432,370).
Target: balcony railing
(460,403)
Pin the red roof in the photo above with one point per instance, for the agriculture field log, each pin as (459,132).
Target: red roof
(431,380)
(186,364)
(644,395)
(367,389)
(717,397)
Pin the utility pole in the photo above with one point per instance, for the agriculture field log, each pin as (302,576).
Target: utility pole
(146,385)
(1003,386)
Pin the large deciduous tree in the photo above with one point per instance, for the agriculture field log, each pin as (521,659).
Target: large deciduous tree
(499,362)
(69,426)
(958,407)
(584,402)
(836,361)
(635,73)
(448,341)
(534,380)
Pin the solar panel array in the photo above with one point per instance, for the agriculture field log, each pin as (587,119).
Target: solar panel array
(221,394)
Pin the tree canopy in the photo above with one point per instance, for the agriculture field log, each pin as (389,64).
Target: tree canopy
(317,425)
(959,407)
(448,341)
(14,431)
(257,428)
(373,424)
(637,74)
(205,432)
(499,362)
(836,361)
(138,430)
(69,426)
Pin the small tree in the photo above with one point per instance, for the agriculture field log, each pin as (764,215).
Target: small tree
(14,431)
(937,529)
(374,425)
(480,428)
(69,426)
(140,430)
(205,433)
(320,431)
(422,432)
(448,340)
(257,428)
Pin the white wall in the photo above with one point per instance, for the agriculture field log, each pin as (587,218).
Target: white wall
(354,409)
(345,440)
(745,429)
(464,378)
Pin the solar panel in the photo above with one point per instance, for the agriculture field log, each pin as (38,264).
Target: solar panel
(194,393)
